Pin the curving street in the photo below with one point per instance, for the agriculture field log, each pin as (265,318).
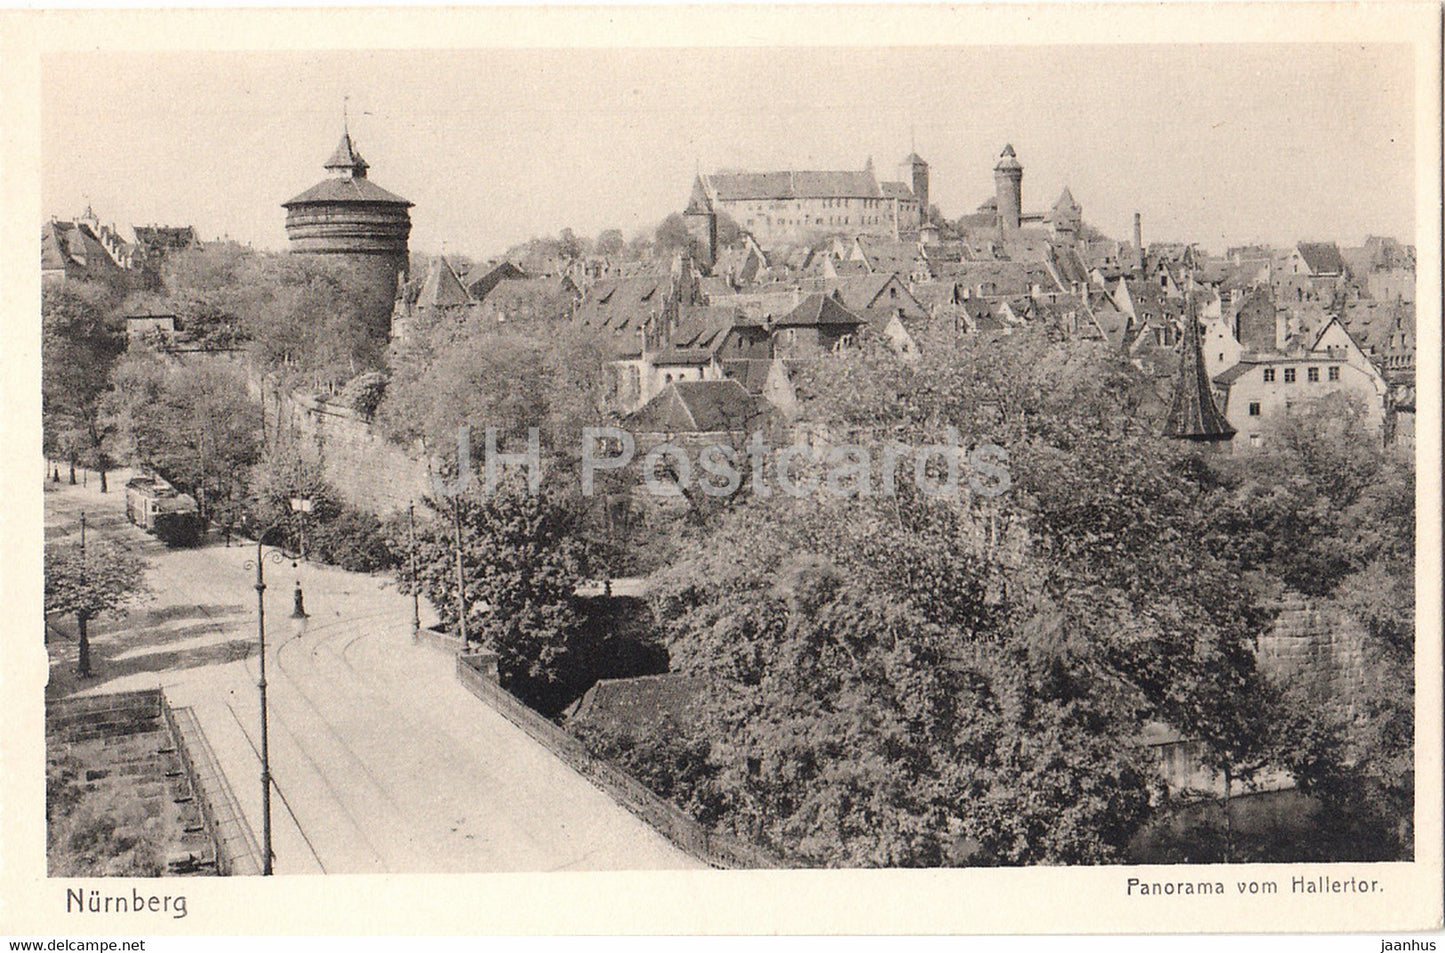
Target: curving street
(383,762)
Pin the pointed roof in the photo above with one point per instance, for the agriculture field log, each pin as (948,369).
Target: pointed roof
(915,159)
(442,288)
(1192,411)
(697,203)
(715,406)
(1007,161)
(817,310)
(1066,200)
(346,157)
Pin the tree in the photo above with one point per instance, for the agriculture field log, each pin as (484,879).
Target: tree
(729,232)
(195,425)
(521,564)
(82,338)
(906,674)
(671,234)
(610,243)
(570,246)
(90,581)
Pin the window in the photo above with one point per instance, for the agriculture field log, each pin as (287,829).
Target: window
(1254,409)
(1269,375)
(1334,373)
(1313,374)
(1254,440)
(1289,375)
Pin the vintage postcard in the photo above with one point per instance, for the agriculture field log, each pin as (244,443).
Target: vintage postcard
(775,469)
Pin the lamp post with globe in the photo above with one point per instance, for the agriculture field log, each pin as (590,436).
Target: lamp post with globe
(298,623)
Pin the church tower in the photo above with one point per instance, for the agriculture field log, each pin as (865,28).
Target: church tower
(349,216)
(1008,177)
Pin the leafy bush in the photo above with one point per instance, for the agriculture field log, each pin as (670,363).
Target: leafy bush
(352,539)
(363,393)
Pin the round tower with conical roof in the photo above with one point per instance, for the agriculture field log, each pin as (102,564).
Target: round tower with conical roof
(348,215)
(1008,178)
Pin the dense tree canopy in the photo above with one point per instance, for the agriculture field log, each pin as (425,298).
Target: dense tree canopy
(82,337)
(913,680)
(194,424)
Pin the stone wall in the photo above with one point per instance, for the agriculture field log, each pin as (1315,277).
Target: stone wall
(1322,646)
(368,470)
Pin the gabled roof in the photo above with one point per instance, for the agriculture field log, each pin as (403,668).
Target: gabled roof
(697,407)
(480,281)
(817,310)
(442,288)
(734,186)
(1322,258)
(896,190)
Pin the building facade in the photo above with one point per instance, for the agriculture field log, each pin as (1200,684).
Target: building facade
(796,208)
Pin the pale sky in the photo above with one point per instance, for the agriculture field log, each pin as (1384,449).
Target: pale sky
(1219,144)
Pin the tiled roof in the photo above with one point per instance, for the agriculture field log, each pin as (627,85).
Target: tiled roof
(1192,411)
(1322,258)
(696,407)
(896,190)
(480,281)
(733,186)
(1007,161)
(1228,377)
(442,288)
(346,190)
(752,373)
(346,156)
(683,357)
(818,309)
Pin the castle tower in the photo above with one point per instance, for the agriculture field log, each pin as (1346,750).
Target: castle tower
(347,215)
(701,222)
(1066,217)
(1008,177)
(918,177)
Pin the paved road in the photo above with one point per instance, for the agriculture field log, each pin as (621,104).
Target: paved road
(382,761)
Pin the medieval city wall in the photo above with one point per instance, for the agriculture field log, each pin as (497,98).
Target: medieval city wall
(368,470)
(1320,645)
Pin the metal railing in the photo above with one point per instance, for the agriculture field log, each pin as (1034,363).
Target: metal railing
(235,845)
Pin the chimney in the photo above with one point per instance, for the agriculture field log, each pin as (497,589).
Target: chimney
(1139,241)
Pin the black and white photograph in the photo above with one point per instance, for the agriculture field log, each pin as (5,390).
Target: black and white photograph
(546,457)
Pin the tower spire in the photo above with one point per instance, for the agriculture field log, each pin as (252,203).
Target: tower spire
(1193,414)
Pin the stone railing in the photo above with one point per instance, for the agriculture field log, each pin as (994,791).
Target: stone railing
(477,671)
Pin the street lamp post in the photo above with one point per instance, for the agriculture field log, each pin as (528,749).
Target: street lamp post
(461,578)
(299,618)
(415,596)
